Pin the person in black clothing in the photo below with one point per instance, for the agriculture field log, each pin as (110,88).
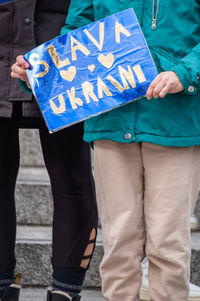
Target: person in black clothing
(25,24)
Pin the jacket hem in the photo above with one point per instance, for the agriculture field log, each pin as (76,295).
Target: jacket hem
(139,138)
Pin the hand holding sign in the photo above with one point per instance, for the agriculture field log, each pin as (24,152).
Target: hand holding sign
(19,69)
(91,70)
(165,82)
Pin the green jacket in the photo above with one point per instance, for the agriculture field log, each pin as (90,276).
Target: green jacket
(175,45)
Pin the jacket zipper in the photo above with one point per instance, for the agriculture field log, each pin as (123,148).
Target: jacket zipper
(155,7)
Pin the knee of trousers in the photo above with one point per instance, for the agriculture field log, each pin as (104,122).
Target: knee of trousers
(174,249)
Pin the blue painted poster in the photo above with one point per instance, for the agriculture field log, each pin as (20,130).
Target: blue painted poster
(5,1)
(91,70)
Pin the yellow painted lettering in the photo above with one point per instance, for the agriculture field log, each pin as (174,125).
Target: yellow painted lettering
(99,44)
(88,92)
(115,83)
(56,59)
(127,76)
(73,100)
(46,69)
(58,109)
(102,88)
(119,29)
(139,73)
(75,45)
(34,60)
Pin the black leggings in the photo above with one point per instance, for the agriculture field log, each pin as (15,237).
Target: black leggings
(67,159)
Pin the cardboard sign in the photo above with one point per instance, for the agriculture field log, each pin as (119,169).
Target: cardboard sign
(91,70)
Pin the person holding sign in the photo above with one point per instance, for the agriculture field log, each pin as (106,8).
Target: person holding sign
(147,154)
(25,24)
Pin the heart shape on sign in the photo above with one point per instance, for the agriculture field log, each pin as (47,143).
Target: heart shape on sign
(91,68)
(106,60)
(68,74)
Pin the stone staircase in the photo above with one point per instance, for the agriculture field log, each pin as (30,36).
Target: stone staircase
(34,217)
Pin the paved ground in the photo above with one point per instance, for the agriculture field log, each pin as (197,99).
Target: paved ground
(40,295)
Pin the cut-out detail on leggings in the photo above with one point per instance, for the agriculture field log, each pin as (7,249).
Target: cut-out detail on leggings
(85,263)
(93,234)
(89,249)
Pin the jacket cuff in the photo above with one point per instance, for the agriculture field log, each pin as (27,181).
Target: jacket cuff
(24,86)
(189,83)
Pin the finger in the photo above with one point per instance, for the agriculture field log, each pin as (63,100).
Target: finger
(16,75)
(158,89)
(21,61)
(164,91)
(156,80)
(18,69)
(154,83)
(149,93)
(19,76)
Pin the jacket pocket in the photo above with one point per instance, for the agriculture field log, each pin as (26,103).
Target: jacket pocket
(163,61)
(5,23)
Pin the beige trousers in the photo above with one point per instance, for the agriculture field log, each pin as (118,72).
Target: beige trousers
(146,194)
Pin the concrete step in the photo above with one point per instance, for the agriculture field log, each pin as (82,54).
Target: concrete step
(195,259)
(33,196)
(197,208)
(30,148)
(34,202)
(33,252)
(37,294)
